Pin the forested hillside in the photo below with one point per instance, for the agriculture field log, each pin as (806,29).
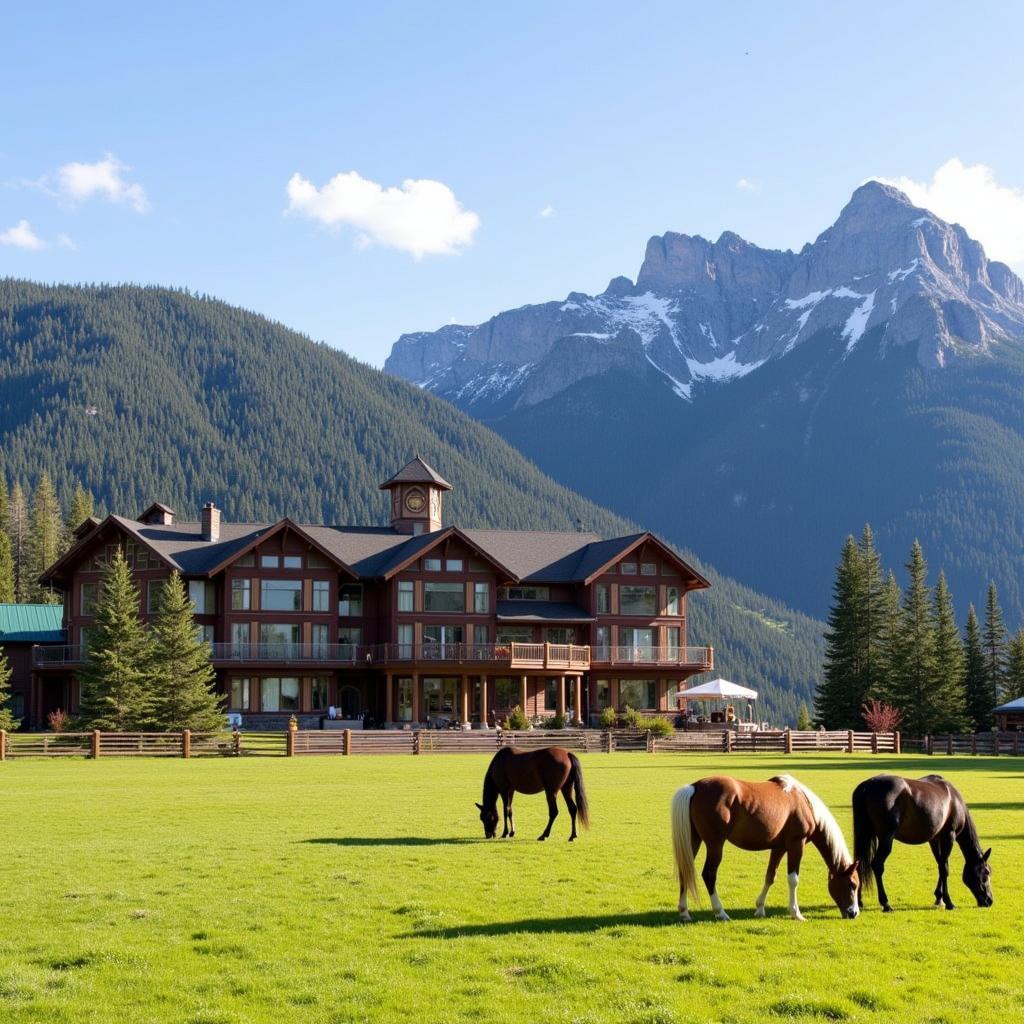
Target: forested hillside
(144,394)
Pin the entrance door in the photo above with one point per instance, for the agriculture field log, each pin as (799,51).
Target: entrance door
(444,640)
(349,699)
(439,697)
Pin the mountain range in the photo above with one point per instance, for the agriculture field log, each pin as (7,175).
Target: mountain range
(761,404)
(147,394)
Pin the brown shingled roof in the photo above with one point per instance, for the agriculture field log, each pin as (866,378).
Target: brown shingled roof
(417,472)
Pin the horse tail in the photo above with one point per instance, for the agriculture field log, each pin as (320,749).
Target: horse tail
(682,841)
(865,839)
(579,791)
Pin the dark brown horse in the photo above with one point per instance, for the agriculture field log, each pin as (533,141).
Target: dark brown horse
(546,770)
(781,815)
(929,810)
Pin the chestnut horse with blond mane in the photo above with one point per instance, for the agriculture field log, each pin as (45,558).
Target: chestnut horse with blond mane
(781,815)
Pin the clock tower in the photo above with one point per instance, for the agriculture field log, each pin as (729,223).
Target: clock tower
(417,493)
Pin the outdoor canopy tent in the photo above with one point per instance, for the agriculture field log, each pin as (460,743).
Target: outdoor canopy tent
(720,689)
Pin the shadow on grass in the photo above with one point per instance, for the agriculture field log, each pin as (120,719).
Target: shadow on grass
(392,840)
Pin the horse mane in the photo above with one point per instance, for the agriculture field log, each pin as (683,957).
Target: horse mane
(969,838)
(490,795)
(824,819)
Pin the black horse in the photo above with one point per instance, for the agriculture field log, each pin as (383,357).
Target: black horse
(548,769)
(929,810)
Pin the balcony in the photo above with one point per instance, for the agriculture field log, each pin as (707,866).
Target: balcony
(563,657)
(288,654)
(696,659)
(57,657)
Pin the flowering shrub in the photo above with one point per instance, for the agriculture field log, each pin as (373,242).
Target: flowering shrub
(881,717)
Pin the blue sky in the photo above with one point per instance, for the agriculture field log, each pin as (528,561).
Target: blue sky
(620,121)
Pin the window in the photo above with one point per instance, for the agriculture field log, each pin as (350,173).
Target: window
(603,638)
(270,562)
(87,598)
(515,634)
(481,635)
(279,639)
(281,595)
(443,636)
(551,695)
(318,695)
(636,645)
(203,596)
(672,604)
(204,634)
(559,635)
(405,638)
(648,568)
(628,568)
(350,599)
(239,695)
(321,636)
(453,565)
(239,639)
(481,598)
(292,561)
(153,591)
(444,597)
(350,635)
(637,693)
(404,709)
(672,642)
(526,594)
(637,600)
(246,561)
(241,595)
(604,694)
(322,596)
(604,604)
(405,595)
(279,694)
(506,692)
(431,564)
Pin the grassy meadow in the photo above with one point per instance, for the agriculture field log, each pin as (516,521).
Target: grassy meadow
(361,889)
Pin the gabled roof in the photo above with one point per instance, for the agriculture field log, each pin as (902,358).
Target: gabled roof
(157,506)
(535,556)
(406,555)
(31,623)
(417,472)
(280,526)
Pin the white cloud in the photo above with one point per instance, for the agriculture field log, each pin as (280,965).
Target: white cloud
(746,185)
(548,211)
(422,217)
(21,236)
(65,242)
(971,196)
(77,182)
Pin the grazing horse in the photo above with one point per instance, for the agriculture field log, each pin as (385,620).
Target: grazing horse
(780,815)
(928,810)
(548,769)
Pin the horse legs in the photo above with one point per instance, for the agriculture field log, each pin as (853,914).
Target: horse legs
(552,814)
(511,820)
(710,876)
(942,847)
(504,815)
(684,909)
(774,859)
(878,869)
(794,855)
(571,804)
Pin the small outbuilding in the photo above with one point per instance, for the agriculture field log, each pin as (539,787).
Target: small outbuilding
(1010,716)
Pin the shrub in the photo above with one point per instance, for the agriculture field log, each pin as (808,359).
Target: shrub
(804,723)
(517,721)
(881,717)
(657,726)
(57,720)
(555,721)
(631,718)
(609,718)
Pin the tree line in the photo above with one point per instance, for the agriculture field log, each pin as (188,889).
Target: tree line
(904,647)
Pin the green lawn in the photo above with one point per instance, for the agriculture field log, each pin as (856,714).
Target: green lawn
(349,889)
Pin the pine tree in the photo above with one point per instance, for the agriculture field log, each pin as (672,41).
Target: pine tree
(116,694)
(838,697)
(1014,686)
(6,558)
(45,536)
(872,615)
(18,531)
(182,676)
(7,720)
(803,719)
(993,643)
(888,637)
(976,700)
(914,667)
(946,696)
(79,510)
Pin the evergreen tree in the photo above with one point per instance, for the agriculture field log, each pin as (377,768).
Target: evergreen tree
(79,510)
(18,531)
(914,666)
(1014,686)
(803,719)
(115,674)
(977,702)
(45,538)
(888,637)
(839,695)
(182,676)
(6,558)
(946,696)
(7,719)
(872,597)
(994,643)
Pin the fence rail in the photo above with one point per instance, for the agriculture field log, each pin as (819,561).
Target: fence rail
(430,741)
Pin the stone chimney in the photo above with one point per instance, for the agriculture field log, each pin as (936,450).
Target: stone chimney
(211,521)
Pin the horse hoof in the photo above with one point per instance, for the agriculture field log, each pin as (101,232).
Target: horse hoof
(759,912)
(540,839)
(797,916)
(886,909)
(685,918)
(722,916)
(950,906)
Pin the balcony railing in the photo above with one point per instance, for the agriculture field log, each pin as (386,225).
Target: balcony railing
(63,655)
(285,653)
(662,657)
(511,655)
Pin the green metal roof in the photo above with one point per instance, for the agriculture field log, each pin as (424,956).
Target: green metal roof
(31,623)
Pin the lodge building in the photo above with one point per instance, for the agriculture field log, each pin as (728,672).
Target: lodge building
(414,623)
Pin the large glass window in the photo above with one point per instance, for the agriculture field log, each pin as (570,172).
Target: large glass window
(481,635)
(321,636)
(239,639)
(637,693)
(322,596)
(439,697)
(526,593)
(672,602)
(637,600)
(352,636)
(444,597)
(515,634)
(672,642)
(279,694)
(204,634)
(560,635)
(506,692)
(604,694)
(318,695)
(443,636)
(350,599)
(405,595)
(404,709)
(279,639)
(405,639)
(481,598)
(281,595)
(636,645)
(87,598)
(241,595)
(154,588)
(602,637)
(551,695)
(202,595)
(239,694)
(604,605)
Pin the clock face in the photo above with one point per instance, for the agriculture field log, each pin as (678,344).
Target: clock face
(414,501)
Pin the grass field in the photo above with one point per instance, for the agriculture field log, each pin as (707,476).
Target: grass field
(352,889)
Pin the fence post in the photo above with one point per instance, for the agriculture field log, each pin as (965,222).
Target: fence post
(94,744)
(186,743)
(236,742)
(289,743)
(3,744)
(974,743)
(346,743)
(874,743)
(849,741)
(995,742)
(607,741)
(949,744)
(928,745)
(728,741)
(787,741)
(650,742)
(416,741)
(897,746)
(1016,742)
